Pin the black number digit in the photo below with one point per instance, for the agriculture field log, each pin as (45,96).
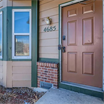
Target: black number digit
(54,28)
(51,28)
(45,30)
(48,29)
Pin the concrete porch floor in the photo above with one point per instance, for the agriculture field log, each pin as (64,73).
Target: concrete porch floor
(61,96)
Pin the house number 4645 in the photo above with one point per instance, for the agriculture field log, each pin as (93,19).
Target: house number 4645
(49,29)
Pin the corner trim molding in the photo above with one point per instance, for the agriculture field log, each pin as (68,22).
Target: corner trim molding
(35,40)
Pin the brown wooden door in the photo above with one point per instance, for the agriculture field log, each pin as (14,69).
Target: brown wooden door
(82,61)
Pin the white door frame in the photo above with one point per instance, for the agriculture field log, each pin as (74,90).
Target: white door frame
(103,45)
(79,85)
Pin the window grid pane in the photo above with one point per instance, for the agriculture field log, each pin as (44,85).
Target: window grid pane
(21,45)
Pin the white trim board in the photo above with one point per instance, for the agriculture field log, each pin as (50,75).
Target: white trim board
(1,35)
(103,45)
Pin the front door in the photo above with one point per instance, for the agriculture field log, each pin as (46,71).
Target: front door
(82,40)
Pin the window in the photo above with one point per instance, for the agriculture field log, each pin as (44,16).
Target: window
(0,35)
(21,35)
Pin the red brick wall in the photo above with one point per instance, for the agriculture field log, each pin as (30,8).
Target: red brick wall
(48,72)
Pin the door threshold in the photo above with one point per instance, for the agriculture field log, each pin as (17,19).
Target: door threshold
(83,86)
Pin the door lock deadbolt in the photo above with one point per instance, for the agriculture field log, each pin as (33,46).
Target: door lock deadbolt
(63,37)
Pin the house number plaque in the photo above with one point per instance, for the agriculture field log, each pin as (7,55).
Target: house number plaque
(50,29)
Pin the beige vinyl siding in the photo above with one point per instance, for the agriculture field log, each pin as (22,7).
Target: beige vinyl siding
(3,69)
(15,73)
(49,35)
(18,2)
(52,4)
(44,1)
(1,73)
(3,3)
(19,74)
(22,83)
(48,41)
(22,3)
(49,55)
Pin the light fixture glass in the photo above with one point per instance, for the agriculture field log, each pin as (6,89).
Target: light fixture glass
(48,20)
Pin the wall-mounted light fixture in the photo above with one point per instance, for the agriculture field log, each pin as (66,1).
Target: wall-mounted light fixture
(48,20)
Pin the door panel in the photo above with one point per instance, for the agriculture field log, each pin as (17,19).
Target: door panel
(87,31)
(72,62)
(71,30)
(87,63)
(82,61)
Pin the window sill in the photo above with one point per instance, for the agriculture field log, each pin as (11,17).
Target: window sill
(21,59)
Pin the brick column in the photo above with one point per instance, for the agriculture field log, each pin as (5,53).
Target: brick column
(48,72)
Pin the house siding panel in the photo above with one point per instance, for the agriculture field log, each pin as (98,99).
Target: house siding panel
(19,74)
(1,73)
(22,3)
(3,3)
(6,3)
(48,41)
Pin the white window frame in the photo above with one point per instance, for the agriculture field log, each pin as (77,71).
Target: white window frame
(1,35)
(20,34)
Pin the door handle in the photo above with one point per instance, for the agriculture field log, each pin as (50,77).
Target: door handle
(63,49)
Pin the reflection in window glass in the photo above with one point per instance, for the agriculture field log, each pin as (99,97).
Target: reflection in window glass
(21,45)
(0,34)
(21,22)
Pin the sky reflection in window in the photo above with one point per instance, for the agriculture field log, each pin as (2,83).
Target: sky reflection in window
(21,22)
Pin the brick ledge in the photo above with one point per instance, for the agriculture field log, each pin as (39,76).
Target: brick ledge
(46,64)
